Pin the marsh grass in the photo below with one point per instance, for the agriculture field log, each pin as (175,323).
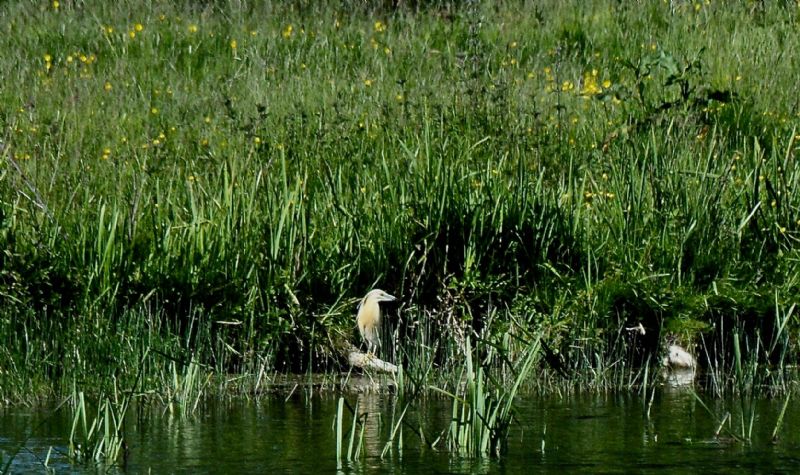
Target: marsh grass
(753,367)
(185,389)
(97,438)
(213,182)
(483,406)
(396,434)
(354,442)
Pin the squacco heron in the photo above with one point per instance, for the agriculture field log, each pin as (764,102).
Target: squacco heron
(369,317)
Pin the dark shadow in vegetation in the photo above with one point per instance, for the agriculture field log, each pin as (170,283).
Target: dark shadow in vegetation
(752,319)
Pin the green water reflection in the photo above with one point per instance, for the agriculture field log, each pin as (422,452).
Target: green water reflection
(590,434)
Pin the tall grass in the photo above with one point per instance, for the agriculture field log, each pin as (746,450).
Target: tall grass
(186,387)
(214,181)
(483,406)
(354,442)
(97,439)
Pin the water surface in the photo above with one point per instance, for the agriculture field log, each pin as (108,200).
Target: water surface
(584,433)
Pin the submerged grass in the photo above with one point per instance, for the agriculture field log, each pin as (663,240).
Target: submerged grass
(214,183)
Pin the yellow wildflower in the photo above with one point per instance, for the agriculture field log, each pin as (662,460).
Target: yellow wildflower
(138,27)
(590,87)
(107,86)
(368,82)
(192,28)
(287,32)
(379,26)
(233,44)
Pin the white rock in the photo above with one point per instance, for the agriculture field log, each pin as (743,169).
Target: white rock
(677,357)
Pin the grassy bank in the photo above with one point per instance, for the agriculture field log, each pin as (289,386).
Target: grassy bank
(215,183)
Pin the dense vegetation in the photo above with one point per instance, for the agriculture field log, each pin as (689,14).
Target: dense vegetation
(216,183)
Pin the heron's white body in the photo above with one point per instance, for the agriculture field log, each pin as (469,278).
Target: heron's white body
(369,317)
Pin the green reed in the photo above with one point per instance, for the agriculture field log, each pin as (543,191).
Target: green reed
(97,439)
(569,164)
(483,406)
(354,442)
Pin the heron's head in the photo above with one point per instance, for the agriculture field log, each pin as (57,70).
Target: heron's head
(377,295)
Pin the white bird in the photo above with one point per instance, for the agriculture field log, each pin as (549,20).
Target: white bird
(369,317)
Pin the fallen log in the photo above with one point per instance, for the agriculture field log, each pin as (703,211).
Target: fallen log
(369,361)
(355,357)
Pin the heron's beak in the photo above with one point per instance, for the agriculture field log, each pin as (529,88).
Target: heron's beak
(387,297)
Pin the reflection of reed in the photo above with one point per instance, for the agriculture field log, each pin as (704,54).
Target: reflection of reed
(281,430)
(369,411)
(183,438)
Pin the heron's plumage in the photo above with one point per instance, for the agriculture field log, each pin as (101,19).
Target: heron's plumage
(369,317)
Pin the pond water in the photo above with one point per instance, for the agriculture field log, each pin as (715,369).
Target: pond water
(276,434)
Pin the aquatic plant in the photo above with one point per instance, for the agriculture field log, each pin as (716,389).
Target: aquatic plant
(98,439)
(184,390)
(483,408)
(354,442)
